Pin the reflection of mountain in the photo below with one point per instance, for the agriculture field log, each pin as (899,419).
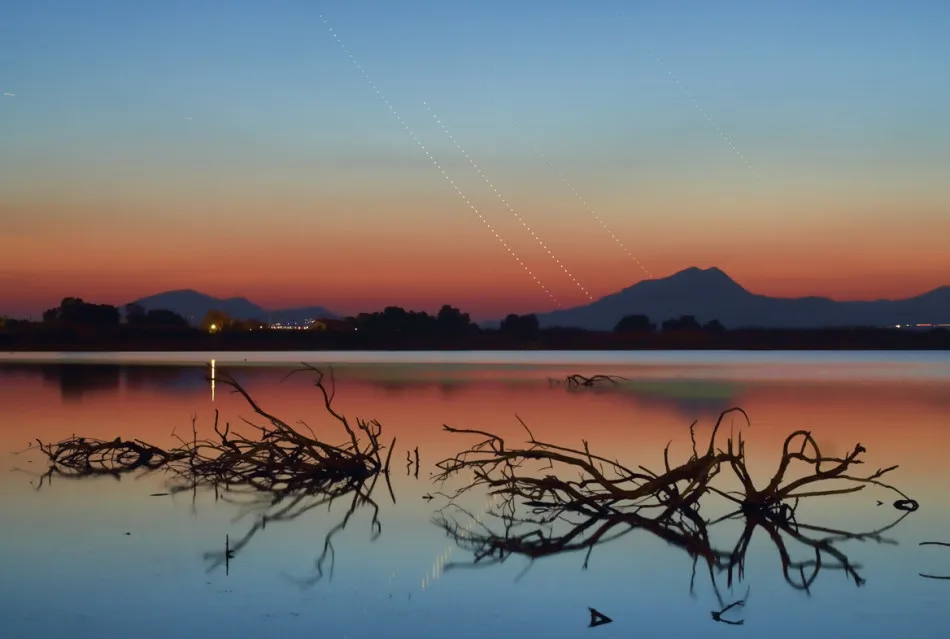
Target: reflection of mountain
(77,380)
(160,378)
(695,399)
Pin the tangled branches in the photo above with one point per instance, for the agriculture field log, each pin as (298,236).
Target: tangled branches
(607,487)
(276,477)
(280,461)
(580,381)
(543,513)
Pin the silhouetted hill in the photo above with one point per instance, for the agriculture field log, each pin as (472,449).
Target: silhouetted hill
(193,305)
(710,294)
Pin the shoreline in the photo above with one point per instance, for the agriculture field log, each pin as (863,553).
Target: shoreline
(122,340)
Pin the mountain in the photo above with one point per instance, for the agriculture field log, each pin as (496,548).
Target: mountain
(710,294)
(193,305)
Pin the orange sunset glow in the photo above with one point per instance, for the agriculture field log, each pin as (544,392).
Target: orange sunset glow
(469,174)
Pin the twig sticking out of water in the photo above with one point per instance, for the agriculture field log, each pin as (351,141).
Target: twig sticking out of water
(717,614)
(597,618)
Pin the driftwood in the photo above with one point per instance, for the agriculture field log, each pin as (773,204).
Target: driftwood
(580,381)
(543,513)
(280,460)
(277,476)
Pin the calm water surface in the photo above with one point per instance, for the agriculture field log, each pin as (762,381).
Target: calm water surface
(81,558)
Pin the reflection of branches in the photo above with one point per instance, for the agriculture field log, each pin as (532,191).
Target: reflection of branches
(543,513)
(717,614)
(929,576)
(536,534)
(291,508)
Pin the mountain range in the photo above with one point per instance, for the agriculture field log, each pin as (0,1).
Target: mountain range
(707,294)
(193,305)
(710,294)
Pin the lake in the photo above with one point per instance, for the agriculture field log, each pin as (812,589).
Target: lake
(83,557)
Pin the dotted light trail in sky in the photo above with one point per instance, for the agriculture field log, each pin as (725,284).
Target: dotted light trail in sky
(705,115)
(465,199)
(505,202)
(597,217)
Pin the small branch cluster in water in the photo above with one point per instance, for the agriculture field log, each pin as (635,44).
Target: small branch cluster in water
(594,381)
(543,513)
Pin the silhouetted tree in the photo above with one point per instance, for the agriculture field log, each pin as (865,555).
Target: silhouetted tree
(161,317)
(523,327)
(74,311)
(451,322)
(684,323)
(714,326)
(134,314)
(635,324)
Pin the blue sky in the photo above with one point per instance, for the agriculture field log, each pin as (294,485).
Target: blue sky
(836,107)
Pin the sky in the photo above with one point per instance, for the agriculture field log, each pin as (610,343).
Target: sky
(234,147)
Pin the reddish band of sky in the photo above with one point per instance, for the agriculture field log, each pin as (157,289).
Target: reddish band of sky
(802,150)
(363,253)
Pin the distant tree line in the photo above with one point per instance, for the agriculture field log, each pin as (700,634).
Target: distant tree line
(392,321)
(642,324)
(76,324)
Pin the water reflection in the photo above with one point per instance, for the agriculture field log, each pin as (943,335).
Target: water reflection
(689,398)
(553,500)
(76,380)
(71,558)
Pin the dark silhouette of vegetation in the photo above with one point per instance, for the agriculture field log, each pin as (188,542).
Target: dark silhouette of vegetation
(137,316)
(524,328)
(396,322)
(73,310)
(684,323)
(76,325)
(556,500)
(636,324)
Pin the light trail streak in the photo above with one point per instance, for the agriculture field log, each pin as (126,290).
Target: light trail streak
(593,214)
(505,202)
(705,114)
(435,162)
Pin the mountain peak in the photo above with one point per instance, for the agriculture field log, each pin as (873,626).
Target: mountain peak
(694,272)
(697,280)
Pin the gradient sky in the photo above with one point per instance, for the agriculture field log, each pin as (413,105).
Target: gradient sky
(293,184)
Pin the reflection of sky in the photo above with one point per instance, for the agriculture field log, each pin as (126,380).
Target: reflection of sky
(744,365)
(75,571)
